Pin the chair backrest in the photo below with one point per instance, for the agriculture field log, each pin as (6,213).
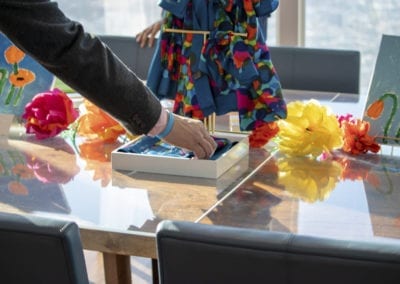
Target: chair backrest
(40,250)
(198,253)
(313,69)
(129,51)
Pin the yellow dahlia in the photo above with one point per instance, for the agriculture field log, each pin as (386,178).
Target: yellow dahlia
(309,130)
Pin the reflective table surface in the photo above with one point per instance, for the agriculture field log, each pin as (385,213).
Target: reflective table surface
(350,197)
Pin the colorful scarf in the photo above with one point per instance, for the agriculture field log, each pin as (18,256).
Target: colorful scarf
(222,72)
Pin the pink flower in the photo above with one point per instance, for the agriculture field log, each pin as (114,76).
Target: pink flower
(49,113)
(342,118)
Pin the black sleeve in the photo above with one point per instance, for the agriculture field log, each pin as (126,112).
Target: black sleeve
(80,60)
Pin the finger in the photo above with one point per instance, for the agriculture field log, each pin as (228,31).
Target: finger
(144,37)
(199,152)
(151,41)
(143,40)
(211,144)
(207,147)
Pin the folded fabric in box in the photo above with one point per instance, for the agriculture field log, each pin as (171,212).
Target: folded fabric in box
(153,146)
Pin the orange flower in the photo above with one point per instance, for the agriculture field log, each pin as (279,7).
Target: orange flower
(97,124)
(375,109)
(102,172)
(262,134)
(97,150)
(17,188)
(23,171)
(356,138)
(13,54)
(354,169)
(22,78)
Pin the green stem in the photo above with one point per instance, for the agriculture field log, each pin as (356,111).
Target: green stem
(3,79)
(4,165)
(15,68)
(389,180)
(74,138)
(10,95)
(392,114)
(16,158)
(18,97)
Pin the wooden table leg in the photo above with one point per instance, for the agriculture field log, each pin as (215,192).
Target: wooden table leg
(154,270)
(117,268)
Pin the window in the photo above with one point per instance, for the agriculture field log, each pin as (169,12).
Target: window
(341,24)
(119,17)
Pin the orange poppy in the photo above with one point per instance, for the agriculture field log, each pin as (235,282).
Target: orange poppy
(22,78)
(97,150)
(375,109)
(102,172)
(17,188)
(97,124)
(13,54)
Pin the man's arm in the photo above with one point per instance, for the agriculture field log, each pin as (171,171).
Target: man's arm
(80,60)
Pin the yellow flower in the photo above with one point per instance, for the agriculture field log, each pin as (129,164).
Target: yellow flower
(308,179)
(309,129)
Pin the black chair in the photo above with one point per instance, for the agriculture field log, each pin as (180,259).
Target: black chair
(198,253)
(40,250)
(315,69)
(129,51)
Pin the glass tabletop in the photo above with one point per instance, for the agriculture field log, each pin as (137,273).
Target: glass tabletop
(345,197)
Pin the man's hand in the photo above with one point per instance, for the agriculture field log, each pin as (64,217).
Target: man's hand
(192,135)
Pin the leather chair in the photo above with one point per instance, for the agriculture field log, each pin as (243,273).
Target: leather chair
(299,68)
(315,69)
(199,253)
(129,51)
(40,250)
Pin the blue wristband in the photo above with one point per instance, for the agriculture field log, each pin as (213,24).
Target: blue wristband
(168,127)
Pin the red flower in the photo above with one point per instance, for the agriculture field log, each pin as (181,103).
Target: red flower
(49,113)
(49,173)
(356,138)
(262,134)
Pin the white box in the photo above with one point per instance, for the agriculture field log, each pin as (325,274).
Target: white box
(181,166)
(228,179)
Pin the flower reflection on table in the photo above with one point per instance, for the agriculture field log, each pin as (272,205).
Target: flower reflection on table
(308,179)
(97,155)
(100,134)
(30,181)
(313,180)
(48,173)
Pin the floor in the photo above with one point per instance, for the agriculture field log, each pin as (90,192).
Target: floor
(141,268)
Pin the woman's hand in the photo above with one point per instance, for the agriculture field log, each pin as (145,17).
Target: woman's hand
(148,35)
